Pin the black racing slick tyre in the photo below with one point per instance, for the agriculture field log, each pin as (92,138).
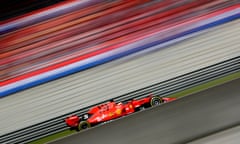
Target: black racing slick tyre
(156,101)
(83,125)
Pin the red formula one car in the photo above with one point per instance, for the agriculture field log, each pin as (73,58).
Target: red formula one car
(112,110)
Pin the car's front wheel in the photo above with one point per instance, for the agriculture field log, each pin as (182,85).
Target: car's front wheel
(156,101)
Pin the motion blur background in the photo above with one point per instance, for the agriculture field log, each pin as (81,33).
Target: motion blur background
(59,57)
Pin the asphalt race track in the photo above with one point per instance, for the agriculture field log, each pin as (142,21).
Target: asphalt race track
(229,136)
(182,121)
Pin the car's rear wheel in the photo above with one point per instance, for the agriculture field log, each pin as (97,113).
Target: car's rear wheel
(84,125)
(156,101)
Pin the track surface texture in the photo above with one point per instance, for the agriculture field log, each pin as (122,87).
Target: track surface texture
(229,136)
(181,121)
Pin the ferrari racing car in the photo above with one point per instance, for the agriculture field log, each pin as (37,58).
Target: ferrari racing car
(112,110)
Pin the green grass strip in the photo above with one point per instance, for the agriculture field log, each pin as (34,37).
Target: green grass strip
(53,137)
(207,85)
(178,94)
